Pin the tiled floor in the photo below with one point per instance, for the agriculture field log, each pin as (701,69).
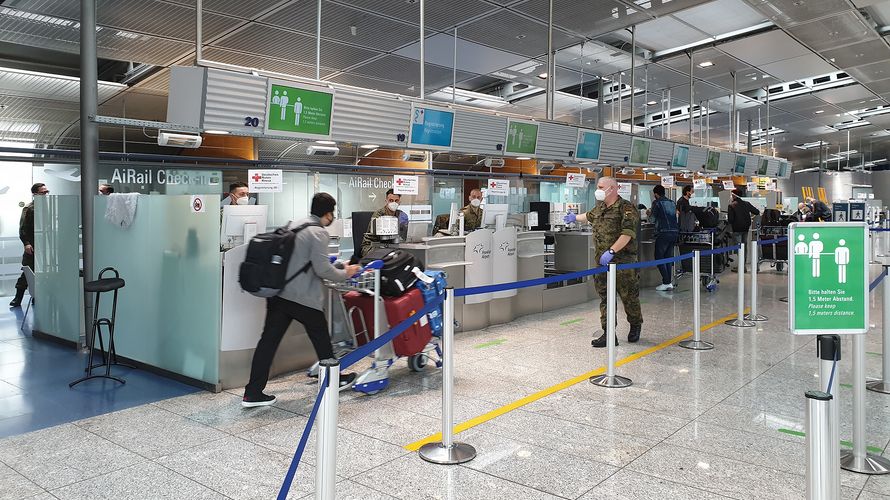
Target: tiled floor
(695,425)
(34,377)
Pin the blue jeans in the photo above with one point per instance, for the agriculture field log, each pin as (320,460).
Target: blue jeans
(664,248)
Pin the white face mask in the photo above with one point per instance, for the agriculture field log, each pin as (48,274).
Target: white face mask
(244,200)
(475,202)
(393,206)
(599,194)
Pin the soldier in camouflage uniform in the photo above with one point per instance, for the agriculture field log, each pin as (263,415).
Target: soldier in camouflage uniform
(473,212)
(615,222)
(391,208)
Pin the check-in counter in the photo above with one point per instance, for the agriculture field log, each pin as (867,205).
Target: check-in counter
(649,276)
(573,251)
(446,253)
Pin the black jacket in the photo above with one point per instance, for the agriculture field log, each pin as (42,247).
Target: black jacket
(26,225)
(821,212)
(739,215)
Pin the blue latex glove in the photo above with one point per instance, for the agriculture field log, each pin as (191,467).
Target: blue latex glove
(403,219)
(569,218)
(606,258)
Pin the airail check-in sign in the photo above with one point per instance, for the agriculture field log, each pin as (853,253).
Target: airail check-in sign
(828,278)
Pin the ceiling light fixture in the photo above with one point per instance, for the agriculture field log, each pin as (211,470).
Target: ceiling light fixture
(327,143)
(369,146)
(217,132)
(651,103)
(819,112)
(523,158)
(705,64)
(543,76)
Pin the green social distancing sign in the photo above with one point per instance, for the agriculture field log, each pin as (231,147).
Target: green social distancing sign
(522,137)
(298,111)
(828,276)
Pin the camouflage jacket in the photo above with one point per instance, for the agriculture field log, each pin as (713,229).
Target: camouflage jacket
(611,222)
(472,217)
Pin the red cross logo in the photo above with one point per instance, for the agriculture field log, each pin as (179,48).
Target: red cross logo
(257,177)
(571,177)
(399,182)
(493,184)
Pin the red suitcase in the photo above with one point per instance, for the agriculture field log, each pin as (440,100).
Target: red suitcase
(413,340)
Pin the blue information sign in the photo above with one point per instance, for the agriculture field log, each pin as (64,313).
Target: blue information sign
(431,128)
(588,147)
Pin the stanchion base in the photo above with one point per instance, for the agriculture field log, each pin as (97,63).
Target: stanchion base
(743,323)
(438,453)
(696,345)
(870,464)
(614,381)
(879,386)
(758,317)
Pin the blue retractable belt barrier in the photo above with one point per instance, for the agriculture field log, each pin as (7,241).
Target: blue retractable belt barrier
(292,470)
(877,281)
(879,229)
(653,263)
(353,357)
(772,241)
(715,251)
(476,290)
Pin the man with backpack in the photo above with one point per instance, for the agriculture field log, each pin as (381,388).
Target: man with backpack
(667,232)
(302,298)
(739,217)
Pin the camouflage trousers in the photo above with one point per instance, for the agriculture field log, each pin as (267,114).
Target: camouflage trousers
(628,288)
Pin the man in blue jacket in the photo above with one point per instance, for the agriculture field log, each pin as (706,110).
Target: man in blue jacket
(302,299)
(667,230)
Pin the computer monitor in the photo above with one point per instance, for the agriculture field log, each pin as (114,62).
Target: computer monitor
(417,231)
(240,223)
(491,212)
(452,219)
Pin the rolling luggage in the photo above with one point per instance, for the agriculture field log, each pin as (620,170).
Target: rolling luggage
(398,272)
(410,342)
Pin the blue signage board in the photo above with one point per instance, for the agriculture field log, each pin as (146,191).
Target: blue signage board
(588,147)
(857,212)
(431,128)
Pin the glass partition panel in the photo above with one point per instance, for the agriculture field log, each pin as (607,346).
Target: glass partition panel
(447,190)
(292,203)
(58,310)
(168,314)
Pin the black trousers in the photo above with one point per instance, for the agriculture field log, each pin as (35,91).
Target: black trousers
(279,314)
(22,284)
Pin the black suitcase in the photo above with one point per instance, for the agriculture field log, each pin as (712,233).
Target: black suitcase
(397,274)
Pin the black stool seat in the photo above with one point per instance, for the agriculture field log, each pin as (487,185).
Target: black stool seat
(103,285)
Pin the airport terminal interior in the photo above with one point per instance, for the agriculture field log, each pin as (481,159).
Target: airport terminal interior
(611,249)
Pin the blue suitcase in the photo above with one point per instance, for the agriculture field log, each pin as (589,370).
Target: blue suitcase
(430,292)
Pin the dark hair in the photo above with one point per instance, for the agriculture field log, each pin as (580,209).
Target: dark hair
(322,203)
(235,185)
(36,187)
(687,189)
(108,188)
(392,191)
(737,192)
(659,190)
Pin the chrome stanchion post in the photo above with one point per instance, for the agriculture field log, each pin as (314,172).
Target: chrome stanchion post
(326,433)
(755,250)
(828,349)
(610,379)
(696,342)
(447,452)
(883,385)
(823,473)
(859,460)
(740,316)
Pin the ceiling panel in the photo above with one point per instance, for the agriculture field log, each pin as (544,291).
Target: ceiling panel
(236,8)
(337,22)
(789,12)
(870,72)
(798,68)
(858,54)
(803,104)
(263,63)
(278,43)
(471,57)
(514,33)
(843,29)
(880,87)
(375,84)
(858,104)
(402,69)
(765,48)
(664,33)
(880,120)
(721,16)
(587,18)
(438,15)
(844,94)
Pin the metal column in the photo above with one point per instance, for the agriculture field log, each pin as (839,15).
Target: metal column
(750,140)
(318,43)
(422,73)
(89,144)
(600,103)
(199,31)
(549,81)
(733,116)
(454,70)
(769,149)
(633,67)
(691,91)
(669,114)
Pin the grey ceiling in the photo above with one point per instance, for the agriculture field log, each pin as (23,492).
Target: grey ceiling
(373,44)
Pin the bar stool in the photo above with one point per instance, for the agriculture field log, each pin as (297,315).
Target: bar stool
(99,286)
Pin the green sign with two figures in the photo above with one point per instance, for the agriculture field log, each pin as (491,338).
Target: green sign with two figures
(828,276)
(298,111)
(522,138)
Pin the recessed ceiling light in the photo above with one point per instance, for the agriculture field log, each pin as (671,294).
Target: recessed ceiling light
(520,37)
(651,103)
(543,76)
(705,64)
(523,158)
(217,132)
(819,112)
(369,146)
(326,143)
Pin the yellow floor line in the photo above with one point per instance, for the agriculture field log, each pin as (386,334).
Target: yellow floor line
(531,398)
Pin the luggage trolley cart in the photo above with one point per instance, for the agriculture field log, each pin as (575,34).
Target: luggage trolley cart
(699,240)
(775,253)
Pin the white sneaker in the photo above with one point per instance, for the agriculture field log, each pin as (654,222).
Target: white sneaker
(665,288)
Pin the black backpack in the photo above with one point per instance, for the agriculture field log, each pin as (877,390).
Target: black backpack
(708,217)
(397,274)
(263,272)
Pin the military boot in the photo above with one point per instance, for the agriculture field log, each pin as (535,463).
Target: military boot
(634,334)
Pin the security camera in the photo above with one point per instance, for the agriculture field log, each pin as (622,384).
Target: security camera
(316,150)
